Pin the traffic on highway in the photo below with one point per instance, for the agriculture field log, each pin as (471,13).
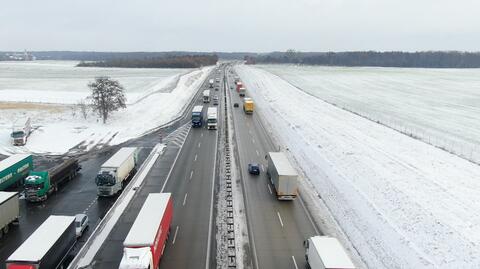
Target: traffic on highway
(152,202)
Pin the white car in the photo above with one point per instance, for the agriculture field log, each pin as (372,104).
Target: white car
(81,223)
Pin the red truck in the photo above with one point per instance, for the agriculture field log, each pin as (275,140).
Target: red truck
(144,245)
(239,85)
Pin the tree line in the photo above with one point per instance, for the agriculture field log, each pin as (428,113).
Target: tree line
(185,61)
(427,59)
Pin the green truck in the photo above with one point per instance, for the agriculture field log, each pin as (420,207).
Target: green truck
(14,169)
(39,185)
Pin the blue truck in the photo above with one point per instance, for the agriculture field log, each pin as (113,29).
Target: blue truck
(197,116)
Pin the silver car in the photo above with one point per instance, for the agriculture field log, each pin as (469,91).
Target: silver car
(81,223)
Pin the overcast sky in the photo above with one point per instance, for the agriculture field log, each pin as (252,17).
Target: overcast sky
(240,25)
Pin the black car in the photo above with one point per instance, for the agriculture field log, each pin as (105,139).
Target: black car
(254,169)
(235,105)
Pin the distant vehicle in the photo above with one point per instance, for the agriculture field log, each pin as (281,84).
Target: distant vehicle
(146,241)
(14,169)
(241,91)
(47,247)
(323,252)
(217,80)
(206,96)
(9,211)
(210,83)
(197,116)
(115,171)
(212,118)
(216,89)
(239,85)
(253,169)
(235,105)
(20,131)
(215,99)
(282,175)
(81,223)
(231,87)
(248,105)
(39,185)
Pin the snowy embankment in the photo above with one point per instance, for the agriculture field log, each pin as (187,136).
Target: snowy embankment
(401,202)
(437,106)
(59,128)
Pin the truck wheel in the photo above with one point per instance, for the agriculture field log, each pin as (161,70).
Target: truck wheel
(1,233)
(6,228)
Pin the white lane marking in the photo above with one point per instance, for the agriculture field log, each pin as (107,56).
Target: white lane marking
(195,158)
(201,135)
(199,143)
(263,168)
(173,165)
(269,189)
(185,199)
(250,132)
(280,218)
(175,236)
(258,154)
(253,140)
(191,174)
(294,262)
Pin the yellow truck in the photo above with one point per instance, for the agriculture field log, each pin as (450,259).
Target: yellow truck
(248,105)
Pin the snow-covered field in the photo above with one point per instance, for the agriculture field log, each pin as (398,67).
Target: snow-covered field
(401,202)
(154,97)
(439,106)
(67,84)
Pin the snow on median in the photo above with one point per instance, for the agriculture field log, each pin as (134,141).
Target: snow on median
(401,202)
(59,128)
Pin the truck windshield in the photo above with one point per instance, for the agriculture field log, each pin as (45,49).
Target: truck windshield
(34,186)
(212,120)
(18,134)
(104,179)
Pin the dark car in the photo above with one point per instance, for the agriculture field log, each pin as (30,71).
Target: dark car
(254,169)
(216,89)
(235,105)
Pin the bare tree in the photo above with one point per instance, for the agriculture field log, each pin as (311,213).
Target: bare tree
(107,96)
(82,105)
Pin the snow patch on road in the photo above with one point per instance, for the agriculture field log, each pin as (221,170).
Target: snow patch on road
(402,203)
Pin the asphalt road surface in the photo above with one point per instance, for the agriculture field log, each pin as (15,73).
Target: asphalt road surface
(187,170)
(277,228)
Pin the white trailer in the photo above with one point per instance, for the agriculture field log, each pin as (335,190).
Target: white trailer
(114,172)
(210,83)
(282,175)
(47,247)
(9,210)
(206,96)
(212,118)
(20,131)
(323,252)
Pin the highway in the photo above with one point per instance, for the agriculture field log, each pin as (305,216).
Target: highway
(187,170)
(277,228)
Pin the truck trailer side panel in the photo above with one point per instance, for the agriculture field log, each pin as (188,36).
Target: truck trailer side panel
(282,175)
(9,209)
(14,169)
(48,246)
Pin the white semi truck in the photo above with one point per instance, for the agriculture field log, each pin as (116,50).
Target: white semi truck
(115,171)
(323,252)
(282,175)
(48,247)
(210,83)
(20,131)
(206,96)
(212,118)
(9,210)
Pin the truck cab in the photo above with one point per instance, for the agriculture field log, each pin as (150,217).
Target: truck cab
(323,252)
(37,186)
(136,258)
(197,116)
